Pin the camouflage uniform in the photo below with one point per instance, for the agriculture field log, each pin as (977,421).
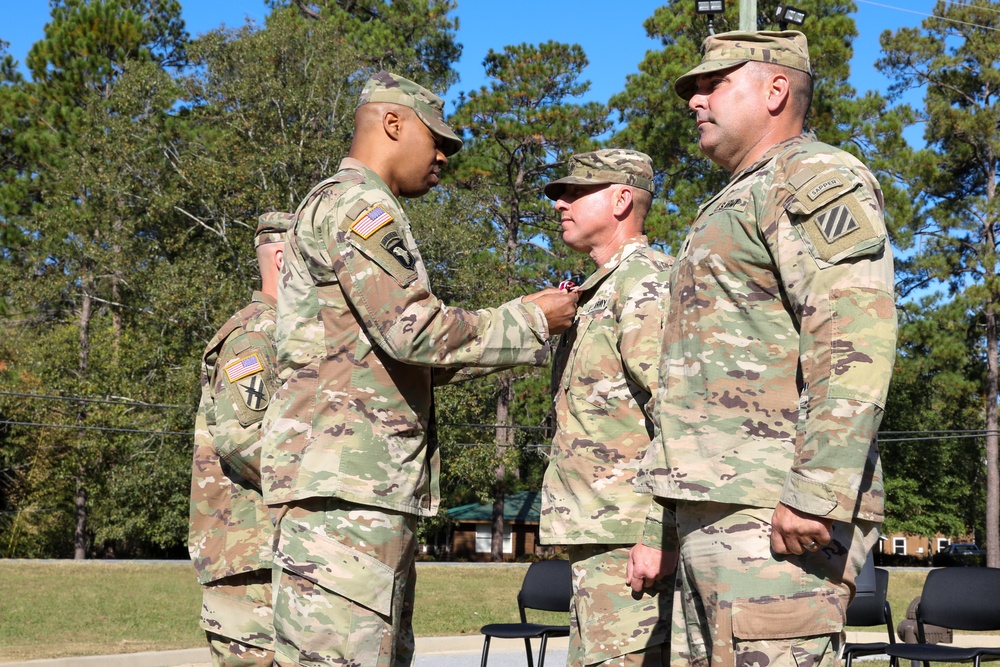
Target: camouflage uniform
(230,532)
(348,463)
(778,351)
(604,375)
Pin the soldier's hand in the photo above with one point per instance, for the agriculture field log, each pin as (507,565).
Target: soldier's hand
(558,305)
(795,532)
(648,564)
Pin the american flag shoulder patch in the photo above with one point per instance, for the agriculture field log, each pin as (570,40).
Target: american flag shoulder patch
(372,220)
(242,367)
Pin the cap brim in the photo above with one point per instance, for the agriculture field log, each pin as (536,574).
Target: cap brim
(686,84)
(555,188)
(450,143)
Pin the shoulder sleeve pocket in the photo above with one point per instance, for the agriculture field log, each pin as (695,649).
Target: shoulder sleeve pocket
(837,217)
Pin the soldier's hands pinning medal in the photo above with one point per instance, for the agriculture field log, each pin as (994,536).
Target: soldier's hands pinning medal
(558,305)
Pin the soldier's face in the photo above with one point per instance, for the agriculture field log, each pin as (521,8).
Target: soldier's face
(422,158)
(728,107)
(586,216)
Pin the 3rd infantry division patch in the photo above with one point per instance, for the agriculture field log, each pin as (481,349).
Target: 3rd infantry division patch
(836,223)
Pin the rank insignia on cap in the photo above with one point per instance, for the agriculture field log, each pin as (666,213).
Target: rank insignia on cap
(240,368)
(371,221)
(254,392)
(836,223)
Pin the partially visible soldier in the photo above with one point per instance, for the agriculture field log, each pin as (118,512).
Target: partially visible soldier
(231,533)
(604,377)
(778,351)
(350,460)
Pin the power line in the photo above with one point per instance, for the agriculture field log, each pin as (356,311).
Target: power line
(933,16)
(109,401)
(81,427)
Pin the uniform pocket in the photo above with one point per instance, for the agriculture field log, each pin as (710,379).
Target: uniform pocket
(788,617)
(316,556)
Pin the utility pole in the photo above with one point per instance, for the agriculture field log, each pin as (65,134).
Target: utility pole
(748,15)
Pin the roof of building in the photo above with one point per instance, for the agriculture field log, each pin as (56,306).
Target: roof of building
(522,507)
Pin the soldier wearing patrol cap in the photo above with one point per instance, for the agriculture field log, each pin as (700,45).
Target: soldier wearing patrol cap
(603,376)
(230,532)
(348,461)
(779,346)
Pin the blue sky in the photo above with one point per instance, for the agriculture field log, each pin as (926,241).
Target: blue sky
(611,34)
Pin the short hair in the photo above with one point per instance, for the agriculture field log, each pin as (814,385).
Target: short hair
(800,84)
(642,200)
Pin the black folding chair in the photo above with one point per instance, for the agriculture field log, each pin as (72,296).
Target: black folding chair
(547,586)
(960,598)
(869,610)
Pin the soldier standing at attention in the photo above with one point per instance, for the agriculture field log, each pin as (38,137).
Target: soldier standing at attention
(231,533)
(350,461)
(778,349)
(604,375)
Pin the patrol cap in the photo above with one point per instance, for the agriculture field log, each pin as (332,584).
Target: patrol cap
(271,227)
(611,165)
(729,49)
(388,87)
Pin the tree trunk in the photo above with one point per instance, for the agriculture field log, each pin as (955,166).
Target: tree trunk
(992,470)
(504,440)
(80,530)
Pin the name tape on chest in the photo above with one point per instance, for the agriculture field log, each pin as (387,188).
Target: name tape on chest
(373,219)
(240,368)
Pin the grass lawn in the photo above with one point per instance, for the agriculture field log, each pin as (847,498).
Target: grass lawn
(59,609)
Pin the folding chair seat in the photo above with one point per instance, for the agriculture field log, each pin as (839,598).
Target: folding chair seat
(547,586)
(960,598)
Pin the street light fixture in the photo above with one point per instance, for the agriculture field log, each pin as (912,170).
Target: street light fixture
(709,8)
(787,14)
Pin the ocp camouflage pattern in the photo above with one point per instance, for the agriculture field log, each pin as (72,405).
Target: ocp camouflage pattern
(230,531)
(604,375)
(358,335)
(780,340)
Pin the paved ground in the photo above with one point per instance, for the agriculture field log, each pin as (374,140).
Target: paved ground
(431,652)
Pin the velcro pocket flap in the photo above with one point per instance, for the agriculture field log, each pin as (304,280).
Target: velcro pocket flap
(316,556)
(609,633)
(788,617)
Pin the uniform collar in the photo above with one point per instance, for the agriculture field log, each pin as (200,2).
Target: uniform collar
(624,250)
(261,297)
(771,152)
(369,174)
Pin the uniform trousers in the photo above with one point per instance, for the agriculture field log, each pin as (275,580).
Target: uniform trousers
(344,582)
(609,624)
(236,616)
(738,603)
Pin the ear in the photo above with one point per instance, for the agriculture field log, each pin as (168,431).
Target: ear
(279,257)
(779,92)
(392,124)
(622,203)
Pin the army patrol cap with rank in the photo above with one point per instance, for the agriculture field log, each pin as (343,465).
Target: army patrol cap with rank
(387,87)
(729,49)
(271,227)
(611,165)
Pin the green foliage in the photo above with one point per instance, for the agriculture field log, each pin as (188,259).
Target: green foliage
(660,124)
(413,38)
(949,213)
(934,486)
